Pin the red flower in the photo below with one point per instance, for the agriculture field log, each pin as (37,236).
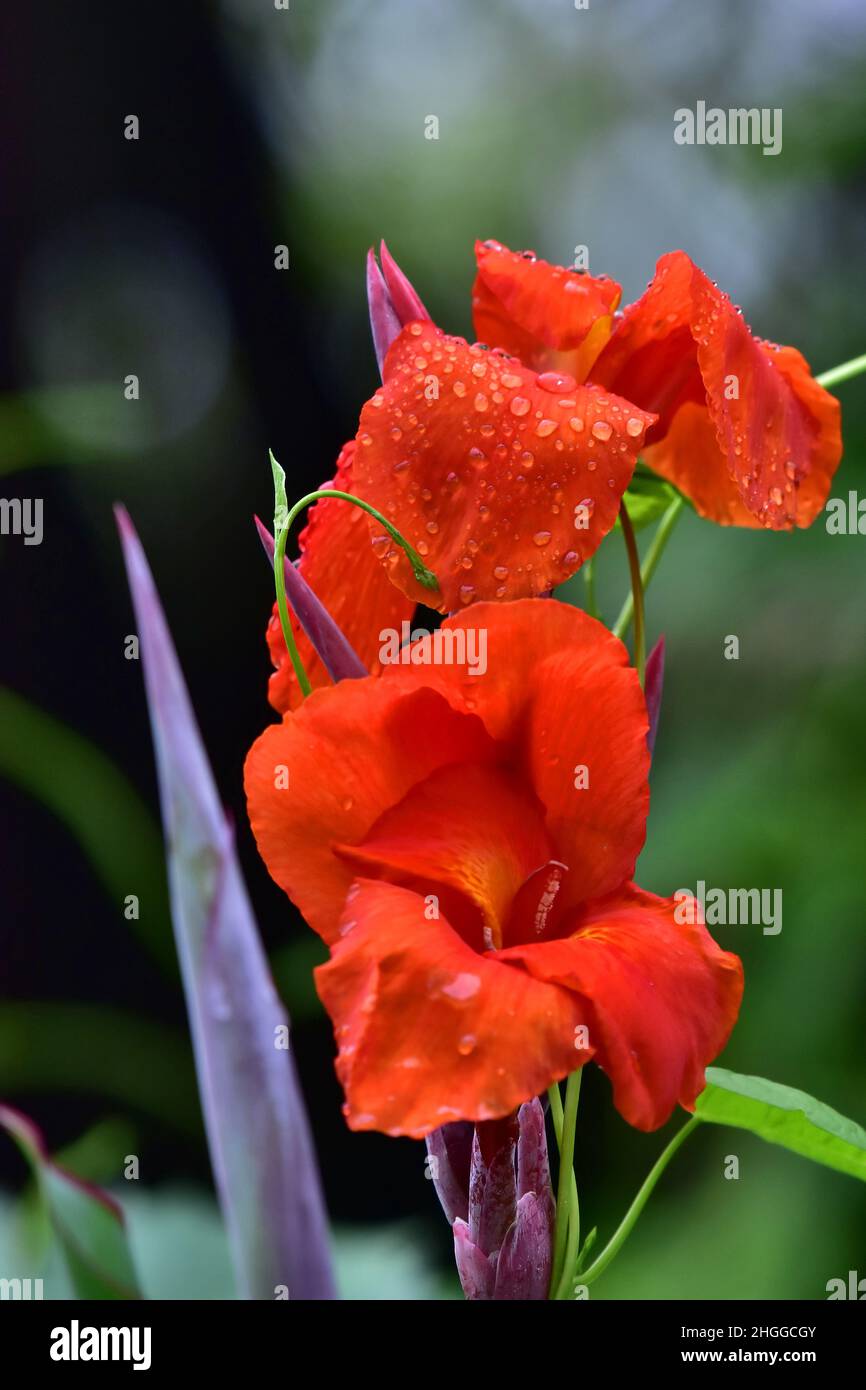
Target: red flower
(742,427)
(485,936)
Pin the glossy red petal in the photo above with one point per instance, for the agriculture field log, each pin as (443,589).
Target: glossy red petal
(325,775)
(559,692)
(338,563)
(551,317)
(773,442)
(504,481)
(430,1031)
(663,998)
(472,828)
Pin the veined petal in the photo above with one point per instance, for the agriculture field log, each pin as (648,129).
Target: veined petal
(662,995)
(325,775)
(473,829)
(759,440)
(428,1030)
(559,692)
(504,481)
(550,316)
(338,563)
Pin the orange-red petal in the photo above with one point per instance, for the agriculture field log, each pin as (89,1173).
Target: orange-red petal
(550,316)
(662,998)
(429,1031)
(338,563)
(473,828)
(505,481)
(744,429)
(325,775)
(559,692)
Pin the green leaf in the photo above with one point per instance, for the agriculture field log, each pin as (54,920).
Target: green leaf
(88,1224)
(647,497)
(96,802)
(784,1116)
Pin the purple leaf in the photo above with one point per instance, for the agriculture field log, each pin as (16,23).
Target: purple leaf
(653,682)
(492,1183)
(477,1272)
(260,1145)
(525,1260)
(450,1154)
(340,659)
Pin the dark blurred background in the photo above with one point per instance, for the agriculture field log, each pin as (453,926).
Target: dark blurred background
(305,127)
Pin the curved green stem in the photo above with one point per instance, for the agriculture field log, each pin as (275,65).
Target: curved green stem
(621,1234)
(653,555)
(567,1233)
(282,605)
(283,519)
(636,591)
(843,373)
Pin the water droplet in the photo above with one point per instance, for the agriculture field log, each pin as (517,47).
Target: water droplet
(480,401)
(545,427)
(479,368)
(576,424)
(541,538)
(633,426)
(432,527)
(510,381)
(348,803)
(467,593)
(462,986)
(478,458)
(467,1044)
(570,558)
(519,406)
(557,382)
(602,430)
(500,572)
(776,496)
(459,388)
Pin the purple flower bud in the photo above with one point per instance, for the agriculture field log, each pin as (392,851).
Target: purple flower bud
(503,1228)
(340,659)
(393,302)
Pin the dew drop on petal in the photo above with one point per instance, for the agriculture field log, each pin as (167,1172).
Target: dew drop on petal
(602,430)
(633,426)
(519,406)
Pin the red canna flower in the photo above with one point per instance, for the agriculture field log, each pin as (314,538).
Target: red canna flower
(465,844)
(742,427)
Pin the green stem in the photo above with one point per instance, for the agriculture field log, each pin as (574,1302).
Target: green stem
(282,605)
(653,555)
(619,1237)
(555,1099)
(844,372)
(567,1213)
(424,576)
(636,590)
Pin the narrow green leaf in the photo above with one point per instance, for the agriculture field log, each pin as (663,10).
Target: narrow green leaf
(647,497)
(88,1224)
(782,1115)
(281,501)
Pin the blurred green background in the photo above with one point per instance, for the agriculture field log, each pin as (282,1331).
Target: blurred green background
(305,127)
